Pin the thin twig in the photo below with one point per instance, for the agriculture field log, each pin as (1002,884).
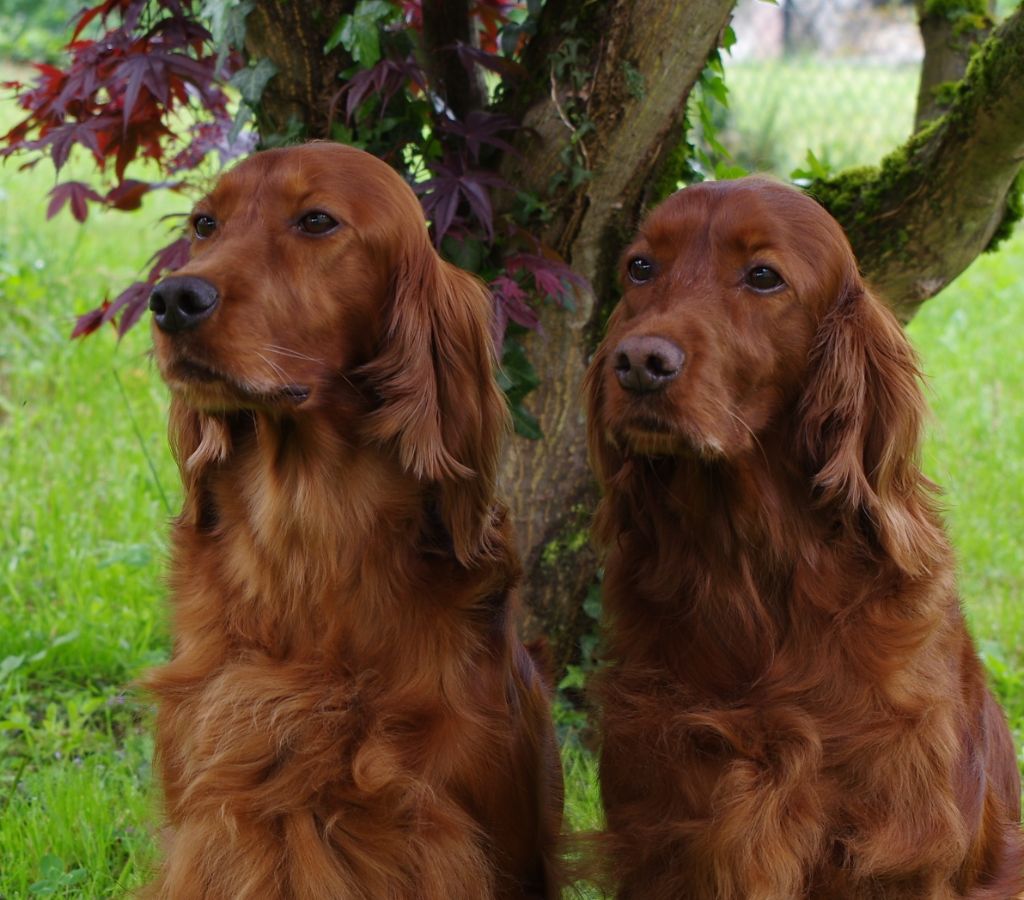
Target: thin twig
(142,443)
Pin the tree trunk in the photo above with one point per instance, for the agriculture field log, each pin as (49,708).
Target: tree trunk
(297,101)
(643,58)
(446,23)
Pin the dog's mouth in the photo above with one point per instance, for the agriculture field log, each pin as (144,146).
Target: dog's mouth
(197,380)
(653,437)
(188,370)
(647,435)
(650,443)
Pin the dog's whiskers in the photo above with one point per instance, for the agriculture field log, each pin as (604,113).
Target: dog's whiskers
(746,427)
(274,367)
(293,354)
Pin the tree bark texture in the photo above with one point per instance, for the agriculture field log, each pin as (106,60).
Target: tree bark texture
(948,43)
(292,36)
(662,46)
(445,24)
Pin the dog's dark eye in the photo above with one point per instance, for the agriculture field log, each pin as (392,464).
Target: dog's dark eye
(640,270)
(761,278)
(317,223)
(204,226)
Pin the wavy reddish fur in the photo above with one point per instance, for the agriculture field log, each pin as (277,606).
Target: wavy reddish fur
(347,712)
(791,706)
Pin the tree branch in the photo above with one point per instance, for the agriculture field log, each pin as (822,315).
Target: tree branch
(949,35)
(918,220)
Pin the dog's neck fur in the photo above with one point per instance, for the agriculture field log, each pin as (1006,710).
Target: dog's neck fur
(345,535)
(746,554)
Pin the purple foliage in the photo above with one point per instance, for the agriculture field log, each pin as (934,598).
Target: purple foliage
(118,99)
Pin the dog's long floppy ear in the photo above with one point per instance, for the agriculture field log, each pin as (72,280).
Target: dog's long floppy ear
(440,405)
(606,458)
(861,420)
(197,440)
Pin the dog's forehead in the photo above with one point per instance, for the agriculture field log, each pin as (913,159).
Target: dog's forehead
(750,212)
(349,181)
(281,177)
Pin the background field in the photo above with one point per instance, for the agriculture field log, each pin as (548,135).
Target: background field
(87,487)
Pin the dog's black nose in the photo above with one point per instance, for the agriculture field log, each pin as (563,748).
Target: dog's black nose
(182,302)
(646,363)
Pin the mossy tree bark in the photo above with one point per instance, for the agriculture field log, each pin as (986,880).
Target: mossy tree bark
(608,85)
(950,30)
(919,219)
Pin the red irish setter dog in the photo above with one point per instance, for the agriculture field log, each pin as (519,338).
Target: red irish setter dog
(347,714)
(792,707)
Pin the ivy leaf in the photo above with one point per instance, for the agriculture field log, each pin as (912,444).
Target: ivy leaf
(227,20)
(729,171)
(251,81)
(359,32)
(517,374)
(525,423)
(465,252)
(517,378)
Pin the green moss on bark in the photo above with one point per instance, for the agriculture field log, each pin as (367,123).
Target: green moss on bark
(573,538)
(960,11)
(860,198)
(1013,214)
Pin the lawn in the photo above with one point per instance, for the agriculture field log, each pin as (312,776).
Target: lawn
(848,113)
(81,550)
(87,486)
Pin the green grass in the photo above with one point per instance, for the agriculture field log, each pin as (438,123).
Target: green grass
(849,113)
(82,533)
(35,30)
(969,341)
(81,548)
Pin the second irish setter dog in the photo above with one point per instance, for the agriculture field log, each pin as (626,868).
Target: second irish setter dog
(347,713)
(792,707)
